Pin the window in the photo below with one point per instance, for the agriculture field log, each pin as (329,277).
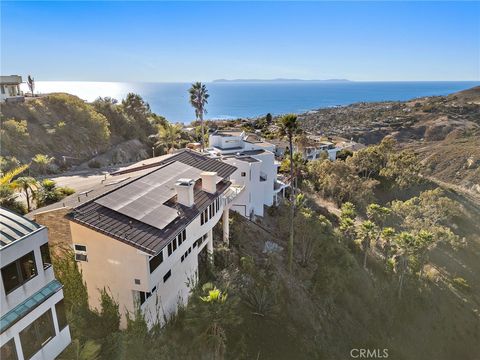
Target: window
(184,234)
(19,272)
(46,260)
(11,277)
(243,174)
(174,242)
(80,247)
(182,258)
(61,316)
(80,252)
(28,266)
(169,247)
(37,334)
(8,350)
(167,275)
(143,296)
(156,261)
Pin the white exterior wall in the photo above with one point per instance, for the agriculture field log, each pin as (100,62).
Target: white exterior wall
(120,264)
(176,291)
(225,142)
(252,198)
(10,253)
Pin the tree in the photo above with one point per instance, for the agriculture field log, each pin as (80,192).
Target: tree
(431,211)
(369,161)
(8,198)
(198,99)
(289,128)
(209,317)
(49,193)
(268,118)
(366,234)
(138,110)
(340,182)
(28,186)
(42,162)
(169,134)
(31,83)
(347,220)
(403,169)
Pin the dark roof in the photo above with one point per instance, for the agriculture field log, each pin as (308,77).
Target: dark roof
(192,158)
(136,233)
(139,234)
(14,227)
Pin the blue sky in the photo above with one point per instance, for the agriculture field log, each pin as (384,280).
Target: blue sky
(187,41)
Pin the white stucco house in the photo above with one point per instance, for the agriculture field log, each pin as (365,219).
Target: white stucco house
(145,236)
(33,324)
(10,88)
(256,166)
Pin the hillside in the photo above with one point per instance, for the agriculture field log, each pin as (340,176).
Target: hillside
(72,131)
(444,130)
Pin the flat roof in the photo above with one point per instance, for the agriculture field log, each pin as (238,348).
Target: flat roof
(14,227)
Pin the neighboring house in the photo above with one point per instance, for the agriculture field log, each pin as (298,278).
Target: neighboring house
(10,88)
(33,324)
(316,147)
(256,169)
(145,240)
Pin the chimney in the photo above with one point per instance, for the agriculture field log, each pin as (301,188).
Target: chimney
(209,182)
(184,188)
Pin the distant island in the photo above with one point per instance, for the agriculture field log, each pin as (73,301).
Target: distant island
(279,80)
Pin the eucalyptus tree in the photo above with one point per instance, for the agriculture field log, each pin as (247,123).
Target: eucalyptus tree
(289,128)
(198,99)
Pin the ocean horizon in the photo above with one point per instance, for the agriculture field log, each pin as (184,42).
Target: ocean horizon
(232,100)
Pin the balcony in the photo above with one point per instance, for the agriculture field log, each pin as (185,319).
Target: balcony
(232,192)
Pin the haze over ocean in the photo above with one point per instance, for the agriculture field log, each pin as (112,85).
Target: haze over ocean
(229,100)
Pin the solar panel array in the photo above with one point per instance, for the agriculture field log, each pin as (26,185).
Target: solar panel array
(143,199)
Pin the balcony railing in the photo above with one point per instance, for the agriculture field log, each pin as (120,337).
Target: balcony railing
(232,192)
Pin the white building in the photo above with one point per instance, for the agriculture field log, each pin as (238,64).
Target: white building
(256,169)
(10,88)
(33,323)
(317,146)
(146,239)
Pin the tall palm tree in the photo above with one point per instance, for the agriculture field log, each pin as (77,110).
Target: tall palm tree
(198,99)
(28,185)
(168,134)
(289,128)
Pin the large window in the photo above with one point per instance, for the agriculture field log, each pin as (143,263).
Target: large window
(156,261)
(19,272)
(61,315)
(8,351)
(46,260)
(37,334)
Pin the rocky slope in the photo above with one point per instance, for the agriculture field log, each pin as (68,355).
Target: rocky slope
(444,130)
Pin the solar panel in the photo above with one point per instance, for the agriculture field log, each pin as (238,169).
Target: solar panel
(143,199)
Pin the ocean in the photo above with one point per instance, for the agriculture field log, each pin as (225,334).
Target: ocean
(231,100)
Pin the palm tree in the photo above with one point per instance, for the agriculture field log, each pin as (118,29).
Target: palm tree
(31,84)
(28,186)
(289,128)
(168,134)
(42,161)
(6,178)
(198,99)
(366,235)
